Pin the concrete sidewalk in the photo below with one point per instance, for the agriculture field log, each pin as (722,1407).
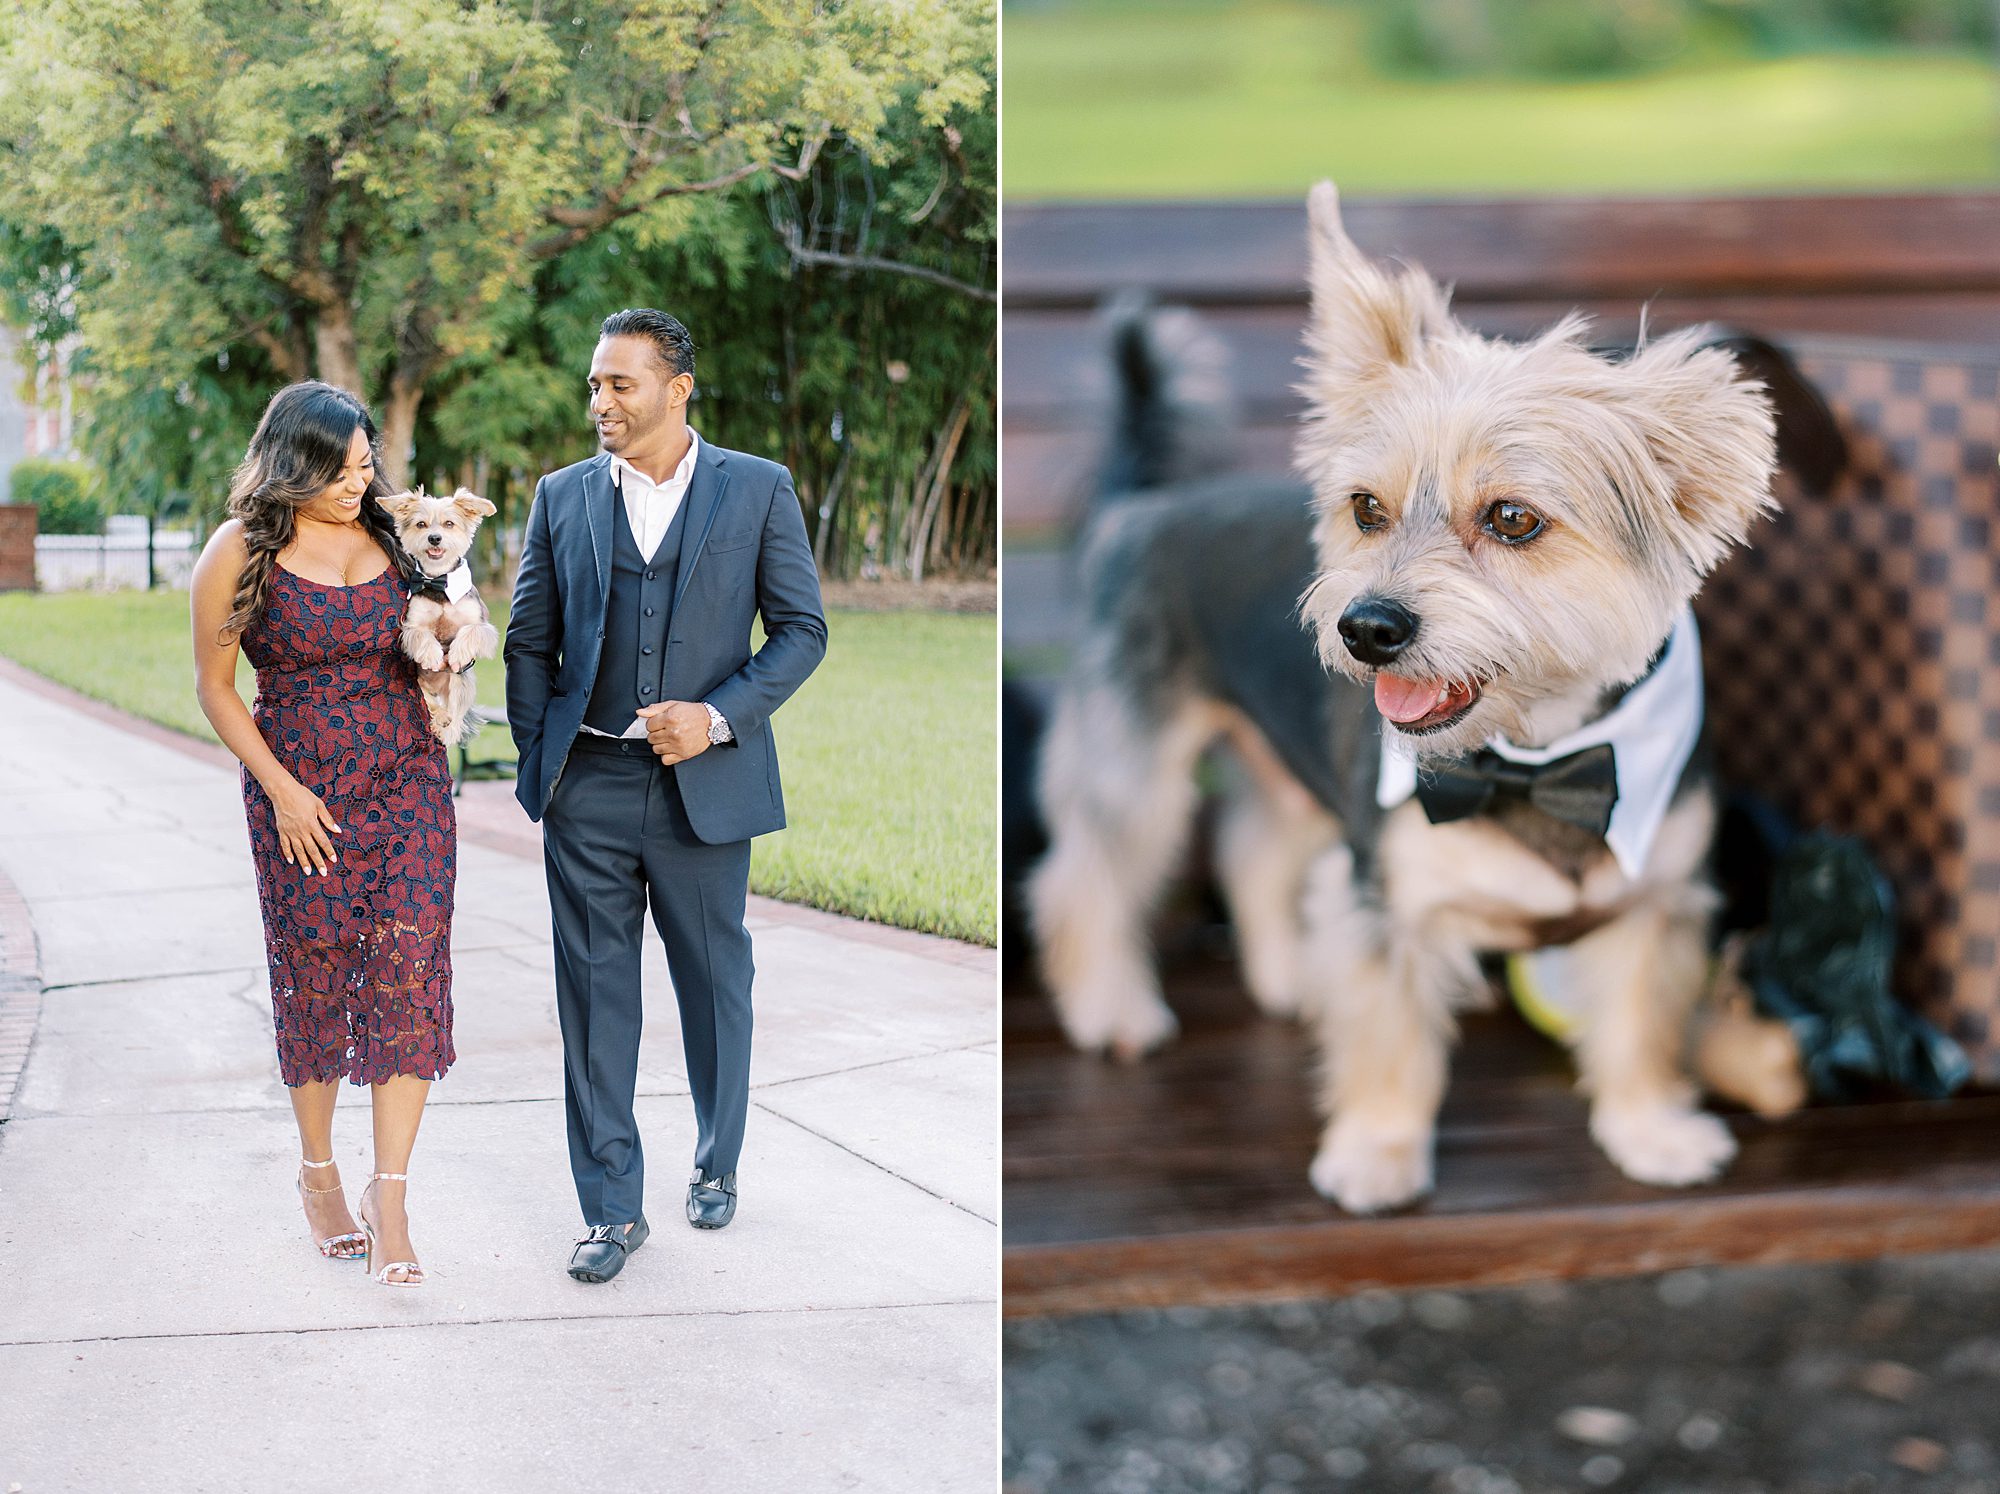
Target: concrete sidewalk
(164,1322)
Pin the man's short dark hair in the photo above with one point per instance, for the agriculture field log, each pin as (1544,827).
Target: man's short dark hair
(670,340)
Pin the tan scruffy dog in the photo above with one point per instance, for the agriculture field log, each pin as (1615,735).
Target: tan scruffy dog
(446,628)
(1502,750)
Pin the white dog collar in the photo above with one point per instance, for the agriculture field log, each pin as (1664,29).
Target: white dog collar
(1652,733)
(456,582)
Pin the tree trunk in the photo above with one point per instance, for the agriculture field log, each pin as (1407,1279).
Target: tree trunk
(416,357)
(830,509)
(399,427)
(920,543)
(338,354)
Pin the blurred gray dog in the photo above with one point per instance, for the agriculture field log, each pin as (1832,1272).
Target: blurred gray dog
(446,629)
(1484,737)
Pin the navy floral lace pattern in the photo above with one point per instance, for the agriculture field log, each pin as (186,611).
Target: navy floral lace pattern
(360,958)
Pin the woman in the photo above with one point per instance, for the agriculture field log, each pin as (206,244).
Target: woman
(347,792)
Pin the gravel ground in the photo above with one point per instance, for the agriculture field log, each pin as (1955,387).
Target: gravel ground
(1864,1379)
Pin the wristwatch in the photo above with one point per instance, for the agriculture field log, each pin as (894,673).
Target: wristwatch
(718,729)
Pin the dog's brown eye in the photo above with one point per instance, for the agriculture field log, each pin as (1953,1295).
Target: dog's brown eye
(1368,511)
(1513,522)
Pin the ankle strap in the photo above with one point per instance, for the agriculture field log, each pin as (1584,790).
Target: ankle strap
(391,1177)
(308,1162)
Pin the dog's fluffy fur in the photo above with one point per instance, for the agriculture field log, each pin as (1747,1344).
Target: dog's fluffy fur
(444,639)
(1644,472)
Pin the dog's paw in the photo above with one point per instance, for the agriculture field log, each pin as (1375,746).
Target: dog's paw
(1365,1169)
(462,651)
(1126,1024)
(1272,974)
(425,652)
(1669,1146)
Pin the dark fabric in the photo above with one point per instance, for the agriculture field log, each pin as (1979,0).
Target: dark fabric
(617,843)
(631,672)
(744,556)
(1579,789)
(424,585)
(360,958)
(1821,926)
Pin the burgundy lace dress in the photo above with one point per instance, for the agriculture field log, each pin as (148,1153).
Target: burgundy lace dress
(360,958)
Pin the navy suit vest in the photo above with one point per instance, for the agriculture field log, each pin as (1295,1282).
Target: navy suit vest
(631,670)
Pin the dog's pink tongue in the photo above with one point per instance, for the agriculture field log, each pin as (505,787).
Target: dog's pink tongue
(1404,701)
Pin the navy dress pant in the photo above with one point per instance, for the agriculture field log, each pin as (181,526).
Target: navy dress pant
(616,842)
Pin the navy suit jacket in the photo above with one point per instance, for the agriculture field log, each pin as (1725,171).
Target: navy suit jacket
(743,552)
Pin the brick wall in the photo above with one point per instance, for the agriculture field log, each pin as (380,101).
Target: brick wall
(17,547)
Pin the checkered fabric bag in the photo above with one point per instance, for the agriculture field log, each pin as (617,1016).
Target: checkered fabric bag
(1853,660)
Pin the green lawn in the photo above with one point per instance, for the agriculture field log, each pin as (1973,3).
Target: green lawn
(888,750)
(1105,99)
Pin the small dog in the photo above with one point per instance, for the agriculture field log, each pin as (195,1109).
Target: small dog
(446,628)
(1484,737)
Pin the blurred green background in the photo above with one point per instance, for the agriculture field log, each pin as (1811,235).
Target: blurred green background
(1222,98)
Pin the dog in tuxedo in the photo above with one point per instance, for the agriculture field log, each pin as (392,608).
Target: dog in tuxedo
(446,629)
(1455,682)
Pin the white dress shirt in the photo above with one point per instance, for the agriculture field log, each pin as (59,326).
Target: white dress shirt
(649,511)
(650,506)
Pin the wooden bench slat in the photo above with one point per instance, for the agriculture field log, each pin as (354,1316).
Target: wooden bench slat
(1540,249)
(1182,1179)
(1056,376)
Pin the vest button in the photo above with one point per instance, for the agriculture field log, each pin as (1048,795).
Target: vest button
(649,575)
(647,649)
(649,612)
(645,689)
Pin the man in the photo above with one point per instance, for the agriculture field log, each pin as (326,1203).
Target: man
(643,723)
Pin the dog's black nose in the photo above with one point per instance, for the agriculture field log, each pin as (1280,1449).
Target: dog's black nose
(435,539)
(1376,629)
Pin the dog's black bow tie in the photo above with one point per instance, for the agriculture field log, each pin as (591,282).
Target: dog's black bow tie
(1579,789)
(422,585)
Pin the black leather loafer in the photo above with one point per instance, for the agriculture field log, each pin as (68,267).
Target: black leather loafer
(600,1255)
(711,1201)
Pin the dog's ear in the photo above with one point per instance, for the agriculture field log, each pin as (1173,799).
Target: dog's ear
(400,506)
(472,505)
(1366,320)
(1712,432)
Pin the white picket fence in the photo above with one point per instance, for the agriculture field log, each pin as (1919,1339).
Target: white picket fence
(114,560)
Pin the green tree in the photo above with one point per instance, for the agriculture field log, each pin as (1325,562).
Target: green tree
(238,192)
(844,325)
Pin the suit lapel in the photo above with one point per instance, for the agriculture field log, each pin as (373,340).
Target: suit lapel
(704,500)
(600,506)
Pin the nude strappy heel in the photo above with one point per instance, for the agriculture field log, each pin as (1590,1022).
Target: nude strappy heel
(413,1274)
(326,1246)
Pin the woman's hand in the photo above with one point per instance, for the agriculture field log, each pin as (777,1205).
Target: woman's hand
(305,827)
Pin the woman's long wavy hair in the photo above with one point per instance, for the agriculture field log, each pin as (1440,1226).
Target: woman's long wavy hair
(299,449)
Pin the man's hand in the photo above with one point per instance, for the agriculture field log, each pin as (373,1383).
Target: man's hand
(677,729)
